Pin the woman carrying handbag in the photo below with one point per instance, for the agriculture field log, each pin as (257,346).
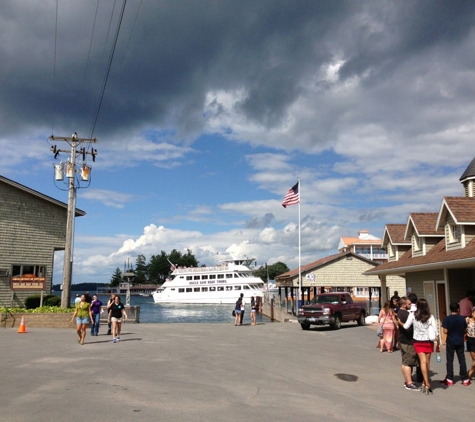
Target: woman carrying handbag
(388,325)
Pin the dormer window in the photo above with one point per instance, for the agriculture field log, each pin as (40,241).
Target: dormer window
(454,233)
(390,250)
(416,242)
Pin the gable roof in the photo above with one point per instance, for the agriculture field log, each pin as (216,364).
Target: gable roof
(462,210)
(437,258)
(320,263)
(79,213)
(395,234)
(424,224)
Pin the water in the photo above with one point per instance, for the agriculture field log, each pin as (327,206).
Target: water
(176,313)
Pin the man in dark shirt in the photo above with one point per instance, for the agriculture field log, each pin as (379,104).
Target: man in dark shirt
(406,343)
(455,326)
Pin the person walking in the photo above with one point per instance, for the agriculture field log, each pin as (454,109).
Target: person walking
(83,315)
(237,312)
(116,316)
(406,344)
(110,301)
(388,321)
(455,326)
(96,308)
(471,341)
(253,310)
(422,319)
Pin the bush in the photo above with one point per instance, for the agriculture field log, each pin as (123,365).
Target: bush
(33,302)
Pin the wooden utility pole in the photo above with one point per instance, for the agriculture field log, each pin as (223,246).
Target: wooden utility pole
(70,171)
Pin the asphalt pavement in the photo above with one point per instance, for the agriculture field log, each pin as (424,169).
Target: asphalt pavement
(215,372)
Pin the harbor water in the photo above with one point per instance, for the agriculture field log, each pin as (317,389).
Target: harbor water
(151,312)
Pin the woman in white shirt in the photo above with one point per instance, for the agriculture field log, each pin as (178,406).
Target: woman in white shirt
(423,345)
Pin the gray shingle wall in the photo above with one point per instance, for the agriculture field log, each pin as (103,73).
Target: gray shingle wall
(31,229)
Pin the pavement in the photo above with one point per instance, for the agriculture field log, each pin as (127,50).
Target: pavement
(215,372)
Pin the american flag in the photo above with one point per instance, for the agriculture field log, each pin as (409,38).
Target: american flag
(292,197)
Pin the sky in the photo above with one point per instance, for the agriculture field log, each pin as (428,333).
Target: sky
(206,113)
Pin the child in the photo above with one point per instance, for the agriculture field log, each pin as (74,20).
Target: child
(455,326)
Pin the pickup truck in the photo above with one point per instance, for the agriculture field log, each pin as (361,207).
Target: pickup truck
(332,309)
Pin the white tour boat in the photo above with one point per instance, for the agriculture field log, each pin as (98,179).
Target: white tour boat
(218,284)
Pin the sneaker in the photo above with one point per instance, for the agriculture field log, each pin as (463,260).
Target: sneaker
(466,382)
(118,338)
(412,387)
(448,382)
(114,340)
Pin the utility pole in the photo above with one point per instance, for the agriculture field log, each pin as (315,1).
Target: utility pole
(73,184)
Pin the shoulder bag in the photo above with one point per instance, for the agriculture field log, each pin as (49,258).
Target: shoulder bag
(432,332)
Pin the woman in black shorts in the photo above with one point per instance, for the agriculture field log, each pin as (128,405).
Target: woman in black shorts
(116,315)
(471,341)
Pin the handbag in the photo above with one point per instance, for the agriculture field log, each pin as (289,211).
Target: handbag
(234,312)
(432,333)
(379,331)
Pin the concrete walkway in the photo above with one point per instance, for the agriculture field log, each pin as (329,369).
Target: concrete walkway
(215,372)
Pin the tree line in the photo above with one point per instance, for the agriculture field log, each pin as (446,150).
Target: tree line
(159,267)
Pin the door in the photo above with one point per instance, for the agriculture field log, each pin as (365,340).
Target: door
(431,297)
(442,305)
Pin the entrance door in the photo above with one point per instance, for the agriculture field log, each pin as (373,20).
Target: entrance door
(442,305)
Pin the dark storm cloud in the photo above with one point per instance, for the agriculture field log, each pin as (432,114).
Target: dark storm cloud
(179,51)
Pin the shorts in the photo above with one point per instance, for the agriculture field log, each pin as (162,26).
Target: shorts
(253,310)
(424,346)
(82,320)
(409,355)
(471,344)
(237,311)
(114,319)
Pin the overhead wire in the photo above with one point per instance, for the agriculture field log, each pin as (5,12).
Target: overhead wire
(124,3)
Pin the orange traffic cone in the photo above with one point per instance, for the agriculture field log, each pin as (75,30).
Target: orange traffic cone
(22,328)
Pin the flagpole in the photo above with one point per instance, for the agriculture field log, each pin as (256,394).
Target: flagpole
(300,267)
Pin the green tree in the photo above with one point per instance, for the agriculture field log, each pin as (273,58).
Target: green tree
(141,270)
(271,270)
(158,268)
(116,277)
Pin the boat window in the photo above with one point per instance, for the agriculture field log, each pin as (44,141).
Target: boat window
(188,289)
(172,289)
(204,277)
(196,277)
(246,287)
(236,275)
(220,275)
(196,289)
(188,277)
(212,277)
(181,290)
(237,287)
(204,289)
(229,276)
(212,289)
(220,288)
(229,288)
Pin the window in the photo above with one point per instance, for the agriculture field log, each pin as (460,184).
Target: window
(237,287)
(28,271)
(220,288)
(212,289)
(189,290)
(204,289)
(196,289)
(416,242)
(196,277)
(229,288)
(220,275)
(188,277)
(390,250)
(246,287)
(212,277)
(454,233)
(181,290)
(229,276)
(204,277)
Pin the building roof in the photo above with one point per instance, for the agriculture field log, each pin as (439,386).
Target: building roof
(395,234)
(320,263)
(462,210)
(79,213)
(424,224)
(469,173)
(437,257)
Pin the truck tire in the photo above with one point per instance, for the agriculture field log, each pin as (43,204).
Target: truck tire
(336,323)
(362,319)
(305,325)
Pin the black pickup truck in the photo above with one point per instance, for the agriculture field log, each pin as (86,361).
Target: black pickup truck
(332,309)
